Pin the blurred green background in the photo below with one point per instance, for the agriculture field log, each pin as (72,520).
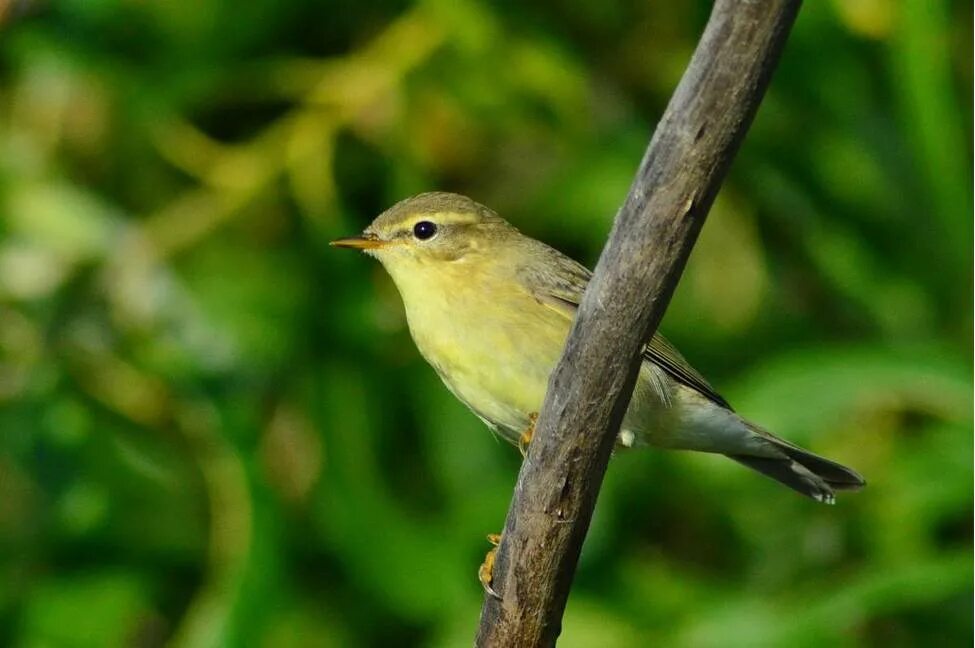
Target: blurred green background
(216,431)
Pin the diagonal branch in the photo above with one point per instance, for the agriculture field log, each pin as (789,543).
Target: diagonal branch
(590,388)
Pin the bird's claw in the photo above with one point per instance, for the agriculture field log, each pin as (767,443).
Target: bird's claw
(485,572)
(526,437)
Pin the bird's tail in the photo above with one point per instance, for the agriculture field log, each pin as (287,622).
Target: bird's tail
(801,470)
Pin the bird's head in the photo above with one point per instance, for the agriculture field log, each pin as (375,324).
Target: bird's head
(431,231)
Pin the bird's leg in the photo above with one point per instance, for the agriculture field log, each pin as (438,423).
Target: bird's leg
(485,573)
(526,437)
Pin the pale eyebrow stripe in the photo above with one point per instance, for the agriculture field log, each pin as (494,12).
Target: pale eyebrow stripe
(445,218)
(448,217)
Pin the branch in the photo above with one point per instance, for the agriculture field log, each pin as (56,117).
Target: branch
(590,388)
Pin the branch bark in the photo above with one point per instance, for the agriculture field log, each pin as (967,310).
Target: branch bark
(588,392)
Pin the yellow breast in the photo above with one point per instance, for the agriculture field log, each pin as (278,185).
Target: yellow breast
(493,344)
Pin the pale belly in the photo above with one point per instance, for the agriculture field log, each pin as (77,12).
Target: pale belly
(497,358)
(500,370)
(498,367)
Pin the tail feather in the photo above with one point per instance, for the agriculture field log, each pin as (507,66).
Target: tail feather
(836,475)
(794,475)
(803,471)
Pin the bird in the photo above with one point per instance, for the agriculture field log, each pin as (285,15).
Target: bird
(490,309)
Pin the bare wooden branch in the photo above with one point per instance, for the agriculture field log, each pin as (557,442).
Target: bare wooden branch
(651,239)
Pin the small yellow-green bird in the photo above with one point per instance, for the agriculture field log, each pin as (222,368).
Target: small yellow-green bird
(490,309)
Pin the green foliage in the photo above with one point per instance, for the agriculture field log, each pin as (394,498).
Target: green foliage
(215,430)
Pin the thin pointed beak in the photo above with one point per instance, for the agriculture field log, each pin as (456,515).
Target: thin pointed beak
(367,241)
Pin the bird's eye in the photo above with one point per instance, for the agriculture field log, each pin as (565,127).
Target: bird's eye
(424,230)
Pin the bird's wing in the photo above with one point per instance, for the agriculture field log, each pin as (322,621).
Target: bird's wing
(663,354)
(562,291)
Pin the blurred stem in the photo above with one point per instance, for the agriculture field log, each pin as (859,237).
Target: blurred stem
(207,622)
(922,62)
(143,399)
(232,176)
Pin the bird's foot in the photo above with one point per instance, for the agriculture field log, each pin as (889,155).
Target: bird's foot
(526,437)
(485,573)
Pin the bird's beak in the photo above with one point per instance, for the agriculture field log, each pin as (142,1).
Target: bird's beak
(367,241)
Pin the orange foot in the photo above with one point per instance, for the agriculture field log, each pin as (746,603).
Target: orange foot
(526,437)
(485,573)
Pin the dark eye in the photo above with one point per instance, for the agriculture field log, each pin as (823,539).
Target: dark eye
(424,230)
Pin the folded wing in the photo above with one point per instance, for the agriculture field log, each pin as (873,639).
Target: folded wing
(562,292)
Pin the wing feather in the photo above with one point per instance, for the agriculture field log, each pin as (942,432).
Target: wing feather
(563,290)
